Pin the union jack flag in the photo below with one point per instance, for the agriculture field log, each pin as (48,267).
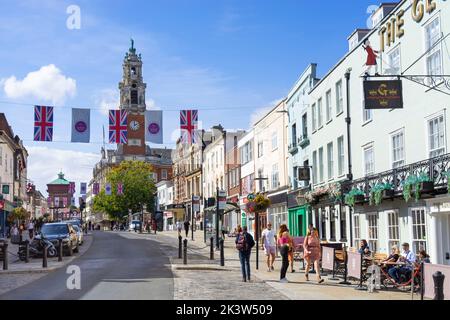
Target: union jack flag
(119,189)
(118,126)
(72,188)
(43,123)
(188,126)
(96,189)
(64,202)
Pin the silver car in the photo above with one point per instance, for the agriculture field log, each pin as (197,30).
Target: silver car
(79,232)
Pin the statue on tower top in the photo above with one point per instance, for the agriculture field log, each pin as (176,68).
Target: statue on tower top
(132,49)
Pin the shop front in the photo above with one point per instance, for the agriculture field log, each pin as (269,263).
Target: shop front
(297,214)
(278,210)
(439,229)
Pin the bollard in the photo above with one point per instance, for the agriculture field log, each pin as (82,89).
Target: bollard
(180,238)
(211,249)
(222,255)
(27,251)
(60,250)
(185,252)
(44,258)
(5,256)
(438,279)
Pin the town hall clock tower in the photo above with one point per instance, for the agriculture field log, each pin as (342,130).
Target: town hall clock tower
(132,98)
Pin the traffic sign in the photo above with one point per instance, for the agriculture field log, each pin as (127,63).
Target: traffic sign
(251,197)
(222,198)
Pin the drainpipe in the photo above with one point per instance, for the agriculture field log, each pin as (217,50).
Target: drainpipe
(349,150)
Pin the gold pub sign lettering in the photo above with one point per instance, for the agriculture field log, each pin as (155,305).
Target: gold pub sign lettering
(393,29)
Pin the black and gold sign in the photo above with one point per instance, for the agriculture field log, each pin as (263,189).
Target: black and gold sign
(386,94)
(303,174)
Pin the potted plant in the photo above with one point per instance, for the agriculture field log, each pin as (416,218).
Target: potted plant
(354,196)
(381,191)
(416,185)
(447,175)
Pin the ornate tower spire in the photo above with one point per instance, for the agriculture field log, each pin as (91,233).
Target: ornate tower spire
(132,87)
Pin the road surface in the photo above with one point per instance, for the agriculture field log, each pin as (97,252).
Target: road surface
(114,268)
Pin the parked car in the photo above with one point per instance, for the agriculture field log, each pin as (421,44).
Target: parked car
(61,230)
(134,225)
(79,232)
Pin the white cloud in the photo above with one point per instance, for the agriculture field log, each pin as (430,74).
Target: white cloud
(258,114)
(45,163)
(108,99)
(47,84)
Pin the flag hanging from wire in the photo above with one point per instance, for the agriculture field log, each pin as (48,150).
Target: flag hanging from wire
(118,126)
(43,123)
(96,188)
(81,125)
(188,126)
(119,189)
(83,188)
(108,189)
(154,126)
(72,188)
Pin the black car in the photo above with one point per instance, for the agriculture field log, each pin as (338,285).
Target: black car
(61,230)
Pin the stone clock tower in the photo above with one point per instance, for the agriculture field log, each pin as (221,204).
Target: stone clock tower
(132,98)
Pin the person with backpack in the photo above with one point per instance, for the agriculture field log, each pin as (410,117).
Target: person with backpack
(186,227)
(244,244)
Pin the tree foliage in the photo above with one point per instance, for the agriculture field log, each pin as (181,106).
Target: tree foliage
(138,190)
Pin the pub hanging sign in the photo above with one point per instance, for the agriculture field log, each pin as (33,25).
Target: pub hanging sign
(303,174)
(383,94)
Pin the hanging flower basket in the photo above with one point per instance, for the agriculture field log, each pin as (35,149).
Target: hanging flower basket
(355,196)
(415,186)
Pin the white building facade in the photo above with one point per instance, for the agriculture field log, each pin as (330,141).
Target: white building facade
(373,147)
(270,143)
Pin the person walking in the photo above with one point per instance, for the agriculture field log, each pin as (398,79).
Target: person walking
(283,246)
(30,228)
(186,227)
(244,244)
(179,227)
(269,242)
(312,253)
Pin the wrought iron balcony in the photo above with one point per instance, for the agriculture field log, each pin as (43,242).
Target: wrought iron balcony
(304,142)
(293,149)
(434,168)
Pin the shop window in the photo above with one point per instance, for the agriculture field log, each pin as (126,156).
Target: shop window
(393,229)
(419,238)
(372,239)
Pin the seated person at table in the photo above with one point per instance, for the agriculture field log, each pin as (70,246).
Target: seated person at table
(409,258)
(364,248)
(423,257)
(393,257)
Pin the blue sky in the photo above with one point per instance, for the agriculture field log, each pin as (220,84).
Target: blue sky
(238,56)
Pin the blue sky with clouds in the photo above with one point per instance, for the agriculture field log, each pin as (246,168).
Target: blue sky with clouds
(240,56)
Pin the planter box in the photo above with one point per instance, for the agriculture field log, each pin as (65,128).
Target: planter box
(388,194)
(360,198)
(426,187)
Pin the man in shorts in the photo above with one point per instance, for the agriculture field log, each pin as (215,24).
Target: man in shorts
(269,240)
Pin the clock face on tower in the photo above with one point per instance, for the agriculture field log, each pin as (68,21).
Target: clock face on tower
(134,125)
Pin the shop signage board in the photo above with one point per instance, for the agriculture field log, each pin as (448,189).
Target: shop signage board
(354,264)
(383,94)
(303,174)
(222,198)
(196,203)
(327,258)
